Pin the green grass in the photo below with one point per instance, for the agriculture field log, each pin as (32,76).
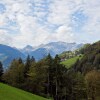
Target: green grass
(68,63)
(11,93)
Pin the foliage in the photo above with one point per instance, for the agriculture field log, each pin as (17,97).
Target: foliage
(93,84)
(15,74)
(1,70)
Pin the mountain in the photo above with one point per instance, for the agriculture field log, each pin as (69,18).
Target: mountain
(26,50)
(7,54)
(59,47)
(53,48)
(41,53)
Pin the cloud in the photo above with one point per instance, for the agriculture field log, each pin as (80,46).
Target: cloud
(91,10)
(5,38)
(41,21)
(62,33)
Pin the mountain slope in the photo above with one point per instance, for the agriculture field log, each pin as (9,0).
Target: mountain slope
(90,60)
(11,93)
(53,48)
(7,54)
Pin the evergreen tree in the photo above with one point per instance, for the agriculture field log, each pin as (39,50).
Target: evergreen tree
(1,70)
(27,66)
(20,60)
(57,75)
(32,59)
(37,77)
(49,64)
(56,64)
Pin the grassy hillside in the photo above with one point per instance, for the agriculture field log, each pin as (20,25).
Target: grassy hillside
(11,93)
(68,63)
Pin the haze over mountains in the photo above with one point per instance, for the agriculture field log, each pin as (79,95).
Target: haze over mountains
(7,53)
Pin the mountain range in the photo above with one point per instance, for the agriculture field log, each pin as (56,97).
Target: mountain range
(7,53)
(53,48)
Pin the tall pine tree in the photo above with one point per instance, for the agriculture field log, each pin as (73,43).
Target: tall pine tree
(49,63)
(27,66)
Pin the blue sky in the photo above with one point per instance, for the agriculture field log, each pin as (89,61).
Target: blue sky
(34,22)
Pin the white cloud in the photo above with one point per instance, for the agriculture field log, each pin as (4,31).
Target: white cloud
(91,10)
(2,19)
(5,38)
(63,33)
(61,11)
(34,19)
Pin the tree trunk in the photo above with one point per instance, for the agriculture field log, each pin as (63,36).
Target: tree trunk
(48,86)
(56,90)
(56,85)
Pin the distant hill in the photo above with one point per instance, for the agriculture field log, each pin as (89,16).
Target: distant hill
(11,93)
(7,54)
(53,48)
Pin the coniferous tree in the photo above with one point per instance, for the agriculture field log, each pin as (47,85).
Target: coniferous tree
(49,63)
(57,74)
(56,63)
(20,60)
(37,77)
(27,66)
(32,59)
(1,70)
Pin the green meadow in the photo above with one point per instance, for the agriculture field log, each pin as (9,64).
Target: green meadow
(11,93)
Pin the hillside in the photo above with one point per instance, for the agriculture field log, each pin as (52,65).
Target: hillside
(90,60)
(7,54)
(11,93)
(68,63)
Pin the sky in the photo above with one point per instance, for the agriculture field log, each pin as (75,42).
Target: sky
(35,22)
